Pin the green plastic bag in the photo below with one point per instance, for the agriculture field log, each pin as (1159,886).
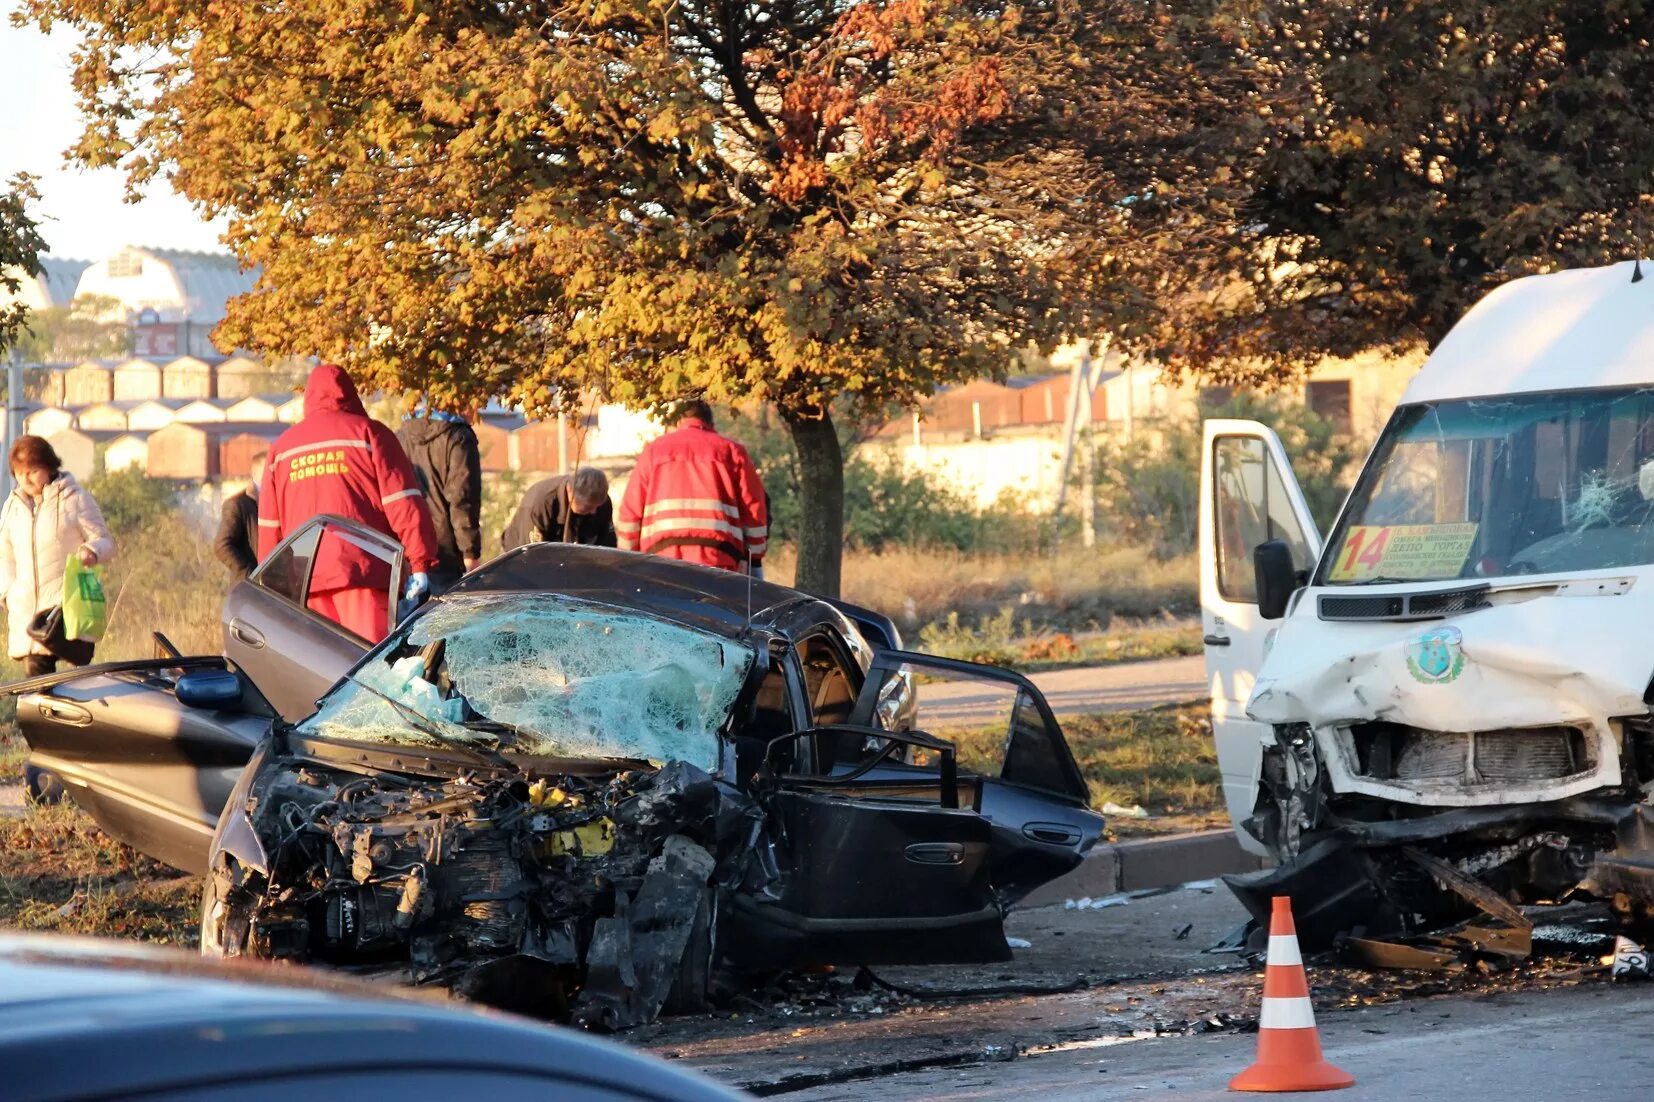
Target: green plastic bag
(85,608)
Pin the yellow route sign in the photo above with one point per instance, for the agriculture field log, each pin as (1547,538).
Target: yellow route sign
(1405,551)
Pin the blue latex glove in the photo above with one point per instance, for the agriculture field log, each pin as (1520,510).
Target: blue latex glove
(413,595)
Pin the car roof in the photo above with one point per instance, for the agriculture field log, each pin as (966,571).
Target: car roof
(89,1018)
(714,600)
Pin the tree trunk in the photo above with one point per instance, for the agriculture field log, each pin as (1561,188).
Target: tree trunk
(821,501)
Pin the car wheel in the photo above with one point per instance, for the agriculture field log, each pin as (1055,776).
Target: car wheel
(694,987)
(42,786)
(228,902)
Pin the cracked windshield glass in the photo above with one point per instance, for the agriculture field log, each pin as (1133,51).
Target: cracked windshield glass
(532,675)
(1485,488)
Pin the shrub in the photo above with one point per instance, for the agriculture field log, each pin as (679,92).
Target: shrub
(131,501)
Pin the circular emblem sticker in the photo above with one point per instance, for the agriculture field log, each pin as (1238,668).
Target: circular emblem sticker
(1437,656)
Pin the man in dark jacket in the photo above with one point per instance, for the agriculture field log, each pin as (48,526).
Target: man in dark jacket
(565,509)
(237,542)
(443,449)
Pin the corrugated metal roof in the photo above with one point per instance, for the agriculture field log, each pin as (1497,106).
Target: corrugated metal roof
(209,280)
(61,276)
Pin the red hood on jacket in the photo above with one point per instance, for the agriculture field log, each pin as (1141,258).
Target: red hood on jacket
(329,390)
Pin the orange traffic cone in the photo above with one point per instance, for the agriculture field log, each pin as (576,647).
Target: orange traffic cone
(1289,1048)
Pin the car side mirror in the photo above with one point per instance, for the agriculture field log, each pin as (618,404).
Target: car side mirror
(208,689)
(1276,577)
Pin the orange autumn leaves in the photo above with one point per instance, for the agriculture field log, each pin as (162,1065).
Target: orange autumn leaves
(872,83)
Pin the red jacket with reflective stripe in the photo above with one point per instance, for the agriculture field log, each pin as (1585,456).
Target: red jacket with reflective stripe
(339,460)
(696,496)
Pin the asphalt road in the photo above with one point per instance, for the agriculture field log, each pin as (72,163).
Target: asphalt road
(1123,686)
(1583,1042)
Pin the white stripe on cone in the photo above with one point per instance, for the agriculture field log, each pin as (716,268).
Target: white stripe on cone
(1287,1014)
(1283,949)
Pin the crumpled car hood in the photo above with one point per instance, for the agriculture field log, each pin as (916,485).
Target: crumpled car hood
(1538,656)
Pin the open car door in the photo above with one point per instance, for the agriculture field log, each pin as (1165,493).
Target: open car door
(1010,751)
(1248,495)
(150,749)
(292,653)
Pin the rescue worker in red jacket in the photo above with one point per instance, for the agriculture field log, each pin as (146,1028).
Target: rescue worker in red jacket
(339,460)
(695,495)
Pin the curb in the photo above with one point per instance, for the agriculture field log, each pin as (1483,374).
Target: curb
(1148,863)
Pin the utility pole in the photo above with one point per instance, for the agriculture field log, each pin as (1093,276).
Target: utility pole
(14,406)
(1088,473)
(1081,382)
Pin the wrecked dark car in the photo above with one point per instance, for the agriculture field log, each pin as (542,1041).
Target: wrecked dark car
(1447,710)
(582,782)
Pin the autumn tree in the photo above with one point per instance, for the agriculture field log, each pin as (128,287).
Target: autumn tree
(1411,156)
(20,249)
(831,206)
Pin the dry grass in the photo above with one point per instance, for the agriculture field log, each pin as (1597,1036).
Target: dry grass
(1006,640)
(1075,590)
(59,872)
(164,578)
(1163,759)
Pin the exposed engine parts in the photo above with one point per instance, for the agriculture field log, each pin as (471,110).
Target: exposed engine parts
(592,896)
(1366,872)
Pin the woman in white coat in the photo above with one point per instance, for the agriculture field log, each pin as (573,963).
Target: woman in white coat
(47,518)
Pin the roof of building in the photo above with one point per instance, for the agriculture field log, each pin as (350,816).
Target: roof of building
(61,276)
(1570,330)
(267,429)
(97,436)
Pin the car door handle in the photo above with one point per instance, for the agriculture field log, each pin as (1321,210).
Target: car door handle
(246,635)
(58,712)
(1215,640)
(936,853)
(1052,834)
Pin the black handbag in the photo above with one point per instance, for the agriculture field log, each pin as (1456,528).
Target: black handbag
(47,629)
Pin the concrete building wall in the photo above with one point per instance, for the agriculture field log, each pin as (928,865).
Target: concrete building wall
(44,385)
(1025,466)
(181,451)
(201,411)
(253,408)
(149,416)
(240,377)
(47,422)
(137,381)
(187,377)
(88,383)
(77,450)
(103,417)
(236,451)
(127,450)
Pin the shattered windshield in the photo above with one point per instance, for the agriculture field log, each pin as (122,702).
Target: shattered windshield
(536,675)
(1490,487)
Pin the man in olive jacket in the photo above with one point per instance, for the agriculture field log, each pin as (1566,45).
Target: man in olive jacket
(445,456)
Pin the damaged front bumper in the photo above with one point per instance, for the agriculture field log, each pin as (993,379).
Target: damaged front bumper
(1406,875)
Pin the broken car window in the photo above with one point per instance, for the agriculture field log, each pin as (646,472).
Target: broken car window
(540,676)
(1490,487)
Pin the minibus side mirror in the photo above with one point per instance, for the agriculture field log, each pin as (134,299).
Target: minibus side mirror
(1277,578)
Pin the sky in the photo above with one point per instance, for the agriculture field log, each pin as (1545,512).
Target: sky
(82,213)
